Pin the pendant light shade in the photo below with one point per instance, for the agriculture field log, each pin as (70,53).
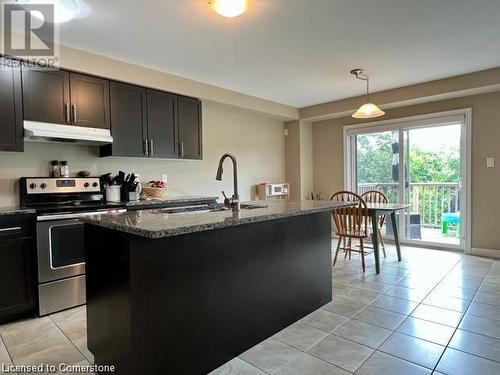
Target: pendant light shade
(368,110)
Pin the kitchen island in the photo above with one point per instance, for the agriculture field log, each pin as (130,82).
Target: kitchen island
(183,293)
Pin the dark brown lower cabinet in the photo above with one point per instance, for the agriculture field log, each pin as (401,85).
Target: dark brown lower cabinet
(11,107)
(17,272)
(190,303)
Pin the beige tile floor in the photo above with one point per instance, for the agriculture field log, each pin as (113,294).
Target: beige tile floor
(434,312)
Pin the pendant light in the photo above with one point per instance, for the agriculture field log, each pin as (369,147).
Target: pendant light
(229,8)
(367,110)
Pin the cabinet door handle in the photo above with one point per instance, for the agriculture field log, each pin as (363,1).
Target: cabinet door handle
(182,149)
(73,108)
(11,229)
(151,147)
(146,147)
(66,112)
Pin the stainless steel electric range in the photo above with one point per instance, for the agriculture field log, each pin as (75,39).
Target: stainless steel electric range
(59,203)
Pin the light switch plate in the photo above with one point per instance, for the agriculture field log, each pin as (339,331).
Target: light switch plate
(490,162)
(164,178)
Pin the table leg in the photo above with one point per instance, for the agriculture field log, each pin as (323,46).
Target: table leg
(396,235)
(375,241)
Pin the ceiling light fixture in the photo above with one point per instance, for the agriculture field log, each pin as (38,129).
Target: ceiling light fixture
(367,110)
(229,8)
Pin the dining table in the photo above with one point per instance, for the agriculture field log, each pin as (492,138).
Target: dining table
(376,210)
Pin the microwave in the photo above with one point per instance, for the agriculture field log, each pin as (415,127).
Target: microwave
(274,190)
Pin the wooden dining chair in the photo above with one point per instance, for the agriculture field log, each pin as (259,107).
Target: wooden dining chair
(345,196)
(350,223)
(375,196)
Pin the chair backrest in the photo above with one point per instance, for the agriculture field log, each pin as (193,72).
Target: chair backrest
(375,196)
(350,220)
(345,196)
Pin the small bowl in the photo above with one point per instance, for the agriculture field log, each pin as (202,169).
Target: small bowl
(83,174)
(153,192)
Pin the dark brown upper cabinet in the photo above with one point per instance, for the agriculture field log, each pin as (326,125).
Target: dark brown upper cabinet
(61,97)
(46,96)
(128,121)
(149,123)
(11,109)
(89,101)
(189,128)
(161,134)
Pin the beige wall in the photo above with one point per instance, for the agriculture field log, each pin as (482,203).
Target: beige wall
(257,142)
(328,158)
(114,69)
(292,158)
(485,81)
(306,159)
(299,158)
(87,62)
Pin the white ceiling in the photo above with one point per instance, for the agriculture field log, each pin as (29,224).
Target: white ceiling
(296,52)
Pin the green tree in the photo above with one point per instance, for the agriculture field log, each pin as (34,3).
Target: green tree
(434,166)
(375,157)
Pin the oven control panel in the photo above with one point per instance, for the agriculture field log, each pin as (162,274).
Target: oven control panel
(62,185)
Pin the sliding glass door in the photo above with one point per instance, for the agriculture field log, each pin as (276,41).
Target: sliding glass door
(433,188)
(421,162)
(377,165)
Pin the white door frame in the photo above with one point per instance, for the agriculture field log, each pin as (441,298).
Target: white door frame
(425,120)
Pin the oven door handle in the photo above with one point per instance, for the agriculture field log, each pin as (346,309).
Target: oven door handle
(76,215)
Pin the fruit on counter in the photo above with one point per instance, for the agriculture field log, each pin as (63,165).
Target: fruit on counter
(157,184)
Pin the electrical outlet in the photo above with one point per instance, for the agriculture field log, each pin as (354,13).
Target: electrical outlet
(490,162)
(164,178)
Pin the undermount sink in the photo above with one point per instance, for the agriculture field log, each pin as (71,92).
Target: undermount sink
(218,207)
(243,206)
(250,206)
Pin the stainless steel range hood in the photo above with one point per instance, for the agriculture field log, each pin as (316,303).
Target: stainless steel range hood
(45,132)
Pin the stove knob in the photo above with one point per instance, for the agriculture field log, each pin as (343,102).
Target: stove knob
(86,185)
(95,184)
(32,186)
(43,185)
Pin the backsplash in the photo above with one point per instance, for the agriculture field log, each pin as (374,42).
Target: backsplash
(259,147)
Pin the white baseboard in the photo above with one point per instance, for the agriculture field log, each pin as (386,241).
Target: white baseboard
(489,253)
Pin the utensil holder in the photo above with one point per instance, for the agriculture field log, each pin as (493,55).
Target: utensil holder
(113,193)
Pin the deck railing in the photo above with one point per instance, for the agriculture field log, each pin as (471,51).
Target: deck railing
(429,199)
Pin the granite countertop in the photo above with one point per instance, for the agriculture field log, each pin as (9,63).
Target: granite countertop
(15,210)
(161,223)
(165,201)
